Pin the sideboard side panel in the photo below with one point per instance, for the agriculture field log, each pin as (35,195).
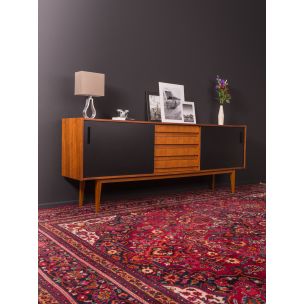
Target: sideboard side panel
(72,148)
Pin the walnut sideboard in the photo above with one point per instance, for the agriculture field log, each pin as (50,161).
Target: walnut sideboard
(109,151)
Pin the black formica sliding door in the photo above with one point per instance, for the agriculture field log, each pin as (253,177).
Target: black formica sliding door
(117,148)
(222,147)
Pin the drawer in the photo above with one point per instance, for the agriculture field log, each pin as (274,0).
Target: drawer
(176,129)
(175,163)
(176,140)
(176,150)
(176,170)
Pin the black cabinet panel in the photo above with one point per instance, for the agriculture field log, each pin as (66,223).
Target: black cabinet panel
(222,147)
(112,148)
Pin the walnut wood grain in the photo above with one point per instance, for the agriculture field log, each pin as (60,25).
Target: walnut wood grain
(176,150)
(176,170)
(232,181)
(154,175)
(166,175)
(161,123)
(72,148)
(213,182)
(176,140)
(176,134)
(176,155)
(98,186)
(199,148)
(81,192)
(176,129)
(181,163)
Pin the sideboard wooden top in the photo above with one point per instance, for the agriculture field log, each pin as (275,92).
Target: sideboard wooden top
(151,122)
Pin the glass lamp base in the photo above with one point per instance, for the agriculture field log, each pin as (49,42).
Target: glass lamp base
(89,101)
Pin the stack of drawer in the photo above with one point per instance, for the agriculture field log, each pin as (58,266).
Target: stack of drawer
(177,148)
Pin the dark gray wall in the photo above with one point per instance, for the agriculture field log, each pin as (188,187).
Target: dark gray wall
(138,43)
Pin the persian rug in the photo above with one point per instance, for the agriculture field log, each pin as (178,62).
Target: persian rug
(199,247)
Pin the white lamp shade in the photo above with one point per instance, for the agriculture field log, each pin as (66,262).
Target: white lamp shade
(89,84)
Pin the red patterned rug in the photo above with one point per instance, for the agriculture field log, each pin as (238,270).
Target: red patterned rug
(198,247)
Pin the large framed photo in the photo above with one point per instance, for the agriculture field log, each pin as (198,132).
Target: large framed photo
(171,98)
(189,112)
(153,106)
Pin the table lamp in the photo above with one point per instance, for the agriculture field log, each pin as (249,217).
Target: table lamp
(89,84)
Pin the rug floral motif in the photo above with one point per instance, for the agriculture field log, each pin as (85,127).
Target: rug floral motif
(199,247)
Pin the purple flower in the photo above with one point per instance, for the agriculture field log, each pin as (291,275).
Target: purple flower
(222,90)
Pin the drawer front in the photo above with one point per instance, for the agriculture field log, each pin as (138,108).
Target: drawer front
(177,129)
(177,149)
(176,163)
(182,139)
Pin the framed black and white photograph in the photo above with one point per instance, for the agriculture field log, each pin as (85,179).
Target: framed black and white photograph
(189,112)
(172,97)
(153,106)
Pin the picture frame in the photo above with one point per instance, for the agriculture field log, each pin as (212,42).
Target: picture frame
(153,106)
(171,98)
(189,114)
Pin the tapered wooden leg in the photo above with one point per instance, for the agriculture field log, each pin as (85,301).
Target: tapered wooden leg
(98,186)
(213,182)
(81,192)
(232,181)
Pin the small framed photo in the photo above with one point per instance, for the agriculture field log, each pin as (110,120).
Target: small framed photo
(153,106)
(189,112)
(171,98)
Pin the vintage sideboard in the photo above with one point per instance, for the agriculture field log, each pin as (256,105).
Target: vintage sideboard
(109,151)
